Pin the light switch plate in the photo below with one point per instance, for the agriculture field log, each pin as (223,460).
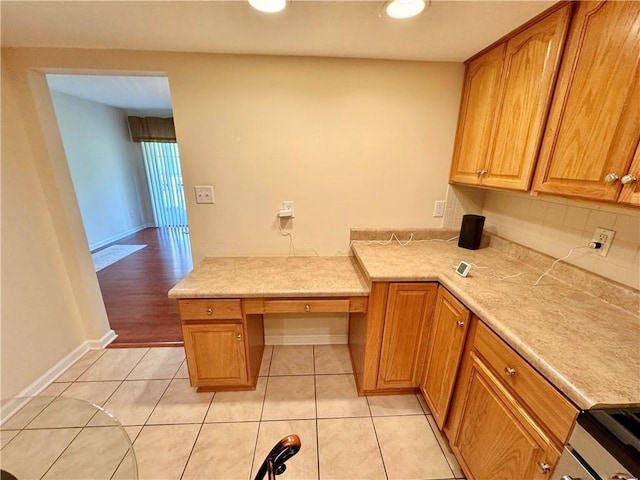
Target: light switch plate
(204,194)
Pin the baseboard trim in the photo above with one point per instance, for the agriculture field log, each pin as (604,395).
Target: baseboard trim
(338,339)
(105,340)
(115,238)
(59,368)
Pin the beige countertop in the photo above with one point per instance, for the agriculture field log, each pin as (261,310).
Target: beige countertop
(241,277)
(587,347)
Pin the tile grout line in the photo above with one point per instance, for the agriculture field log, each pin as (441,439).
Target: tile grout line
(315,395)
(264,398)
(195,441)
(436,434)
(63,450)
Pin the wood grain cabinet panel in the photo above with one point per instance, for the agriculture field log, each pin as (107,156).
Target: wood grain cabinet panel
(444,353)
(530,69)
(594,123)
(216,354)
(505,420)
(631,190)
(541,398)
(209,309)
(505,102)
(476,118)
(496,438)
(409,311)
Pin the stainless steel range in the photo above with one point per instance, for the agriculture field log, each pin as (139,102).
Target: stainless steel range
(605,445)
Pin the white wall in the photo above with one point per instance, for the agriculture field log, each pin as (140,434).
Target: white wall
(41,315)
(554,225)
(105,168)
(353,143)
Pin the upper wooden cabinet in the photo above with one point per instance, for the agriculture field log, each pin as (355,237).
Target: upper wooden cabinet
(477,112)
(505,101)
(594,122)
(631,190)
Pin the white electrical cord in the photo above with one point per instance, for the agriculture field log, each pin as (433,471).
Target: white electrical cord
(392,238)
(537,282)
(558,260)
(292,247)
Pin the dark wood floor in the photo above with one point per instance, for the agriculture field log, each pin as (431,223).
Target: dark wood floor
(135,288)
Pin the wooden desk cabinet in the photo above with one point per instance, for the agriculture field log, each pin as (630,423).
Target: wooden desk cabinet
(223,344)
(224,338)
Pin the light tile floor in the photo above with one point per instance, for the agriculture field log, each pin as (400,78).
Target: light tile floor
(180,434)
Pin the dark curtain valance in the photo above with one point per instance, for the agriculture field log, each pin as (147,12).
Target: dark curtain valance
(152,129)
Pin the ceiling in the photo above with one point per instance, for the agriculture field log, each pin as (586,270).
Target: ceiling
(448,30)
(144,94)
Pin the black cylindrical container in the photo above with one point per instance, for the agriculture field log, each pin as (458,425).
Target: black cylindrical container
(471,231)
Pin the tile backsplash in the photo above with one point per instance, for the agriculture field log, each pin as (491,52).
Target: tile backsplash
(554,225)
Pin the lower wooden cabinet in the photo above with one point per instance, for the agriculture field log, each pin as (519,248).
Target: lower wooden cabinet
(496,439)
(216,354)
(506,421)
(444,353)
(223,344)
(387,342)
(406,323)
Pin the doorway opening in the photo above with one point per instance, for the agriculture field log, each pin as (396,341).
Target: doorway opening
(131,199)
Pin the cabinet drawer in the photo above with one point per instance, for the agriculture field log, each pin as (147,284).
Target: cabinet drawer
(540,397)
(209,309)
(307,306)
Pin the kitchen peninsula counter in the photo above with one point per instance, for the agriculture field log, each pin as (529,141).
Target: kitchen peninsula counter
(587,347)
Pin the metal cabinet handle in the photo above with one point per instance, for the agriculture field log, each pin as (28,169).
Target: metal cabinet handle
(209,311)
(307,308)
(544,467)
(510,373)
(611,178)
(239,337)
(459,323)
(481,172)
(627,179)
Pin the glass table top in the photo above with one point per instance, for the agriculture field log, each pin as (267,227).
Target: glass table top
(62,438)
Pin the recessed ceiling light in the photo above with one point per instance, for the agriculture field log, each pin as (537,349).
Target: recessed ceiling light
(404,8)
(269,6)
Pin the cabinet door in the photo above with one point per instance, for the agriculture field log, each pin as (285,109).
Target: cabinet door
(215,354)
(495,438)
(409,311)
(530,69)
(444,351)
(631,191)
(594,122)
(476,119)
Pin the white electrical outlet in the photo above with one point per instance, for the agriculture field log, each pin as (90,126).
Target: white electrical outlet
(287,209)
(439,207)
(605,237)
(204,194)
